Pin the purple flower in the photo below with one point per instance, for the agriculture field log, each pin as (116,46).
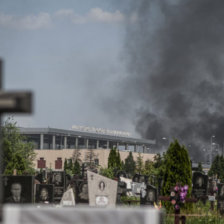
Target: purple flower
(185,187)
(176,188)
(177,206)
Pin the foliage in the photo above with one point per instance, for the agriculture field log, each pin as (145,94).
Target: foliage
(76,168)
(18,154)
(130,200)
(65,165)
(178,168)
(129,164)
(217,167)
(114,160)
(90,157)
(139,164)
(107,172)
(76,155)
(149,168)
(199,168)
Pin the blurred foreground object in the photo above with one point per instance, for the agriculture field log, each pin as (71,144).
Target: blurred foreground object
(33,215)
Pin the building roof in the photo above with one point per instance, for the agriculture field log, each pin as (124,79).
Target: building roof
(74,133)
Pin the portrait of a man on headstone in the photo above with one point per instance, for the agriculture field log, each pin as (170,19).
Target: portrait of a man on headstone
(16,197)
(101,185)
(199,182)
(44,193)
(83,191)
(18,189)
(57,179)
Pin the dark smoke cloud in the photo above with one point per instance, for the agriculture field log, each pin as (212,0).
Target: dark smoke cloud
(175,59)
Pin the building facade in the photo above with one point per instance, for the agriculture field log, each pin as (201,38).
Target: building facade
(53,146)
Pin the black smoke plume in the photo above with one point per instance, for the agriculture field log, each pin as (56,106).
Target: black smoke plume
(174,53)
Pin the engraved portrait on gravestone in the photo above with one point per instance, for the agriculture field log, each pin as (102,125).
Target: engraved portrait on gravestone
(18,189)
(151,196)
(57,179)
(44,193)
(44,197)
(16,197)
(83,189)
(102,185)
(199,182)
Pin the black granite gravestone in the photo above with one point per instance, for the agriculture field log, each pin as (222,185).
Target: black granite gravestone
(148,196)
(81,192)
(200,183)
(121,191)
(44,193)
(57,178)
(18,189)
(220,197)
(138,178)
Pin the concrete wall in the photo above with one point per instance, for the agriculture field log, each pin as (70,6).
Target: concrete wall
(102,154)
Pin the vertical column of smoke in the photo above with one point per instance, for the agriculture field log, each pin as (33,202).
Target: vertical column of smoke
(174,51)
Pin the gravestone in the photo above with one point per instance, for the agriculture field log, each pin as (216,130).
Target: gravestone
(138,178)
(57,178)
(81,192)
(212,192)
(18,189)
(148,195)
(200,183)
(68,198)
(121,173)
(102,190)
(44,193)
(137,188)
(121,191)
(220,203)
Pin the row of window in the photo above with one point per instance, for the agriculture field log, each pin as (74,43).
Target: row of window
(41,163)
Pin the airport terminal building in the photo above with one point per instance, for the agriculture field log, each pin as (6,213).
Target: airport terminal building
(53,146)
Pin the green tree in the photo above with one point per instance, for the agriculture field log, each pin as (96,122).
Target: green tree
(129,164)
(149,168)
(199,168)
(77,168)
(113,158)
(18,154)
(65,165)
(217,167)
(177,168)
(107,172)
(139,164)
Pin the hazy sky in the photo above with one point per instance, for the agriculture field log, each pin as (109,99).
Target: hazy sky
(69,53)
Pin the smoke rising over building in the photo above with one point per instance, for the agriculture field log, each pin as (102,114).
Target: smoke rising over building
(174,57)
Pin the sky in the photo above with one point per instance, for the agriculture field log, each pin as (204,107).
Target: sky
(69,54)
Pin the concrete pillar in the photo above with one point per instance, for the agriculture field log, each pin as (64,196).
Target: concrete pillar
(126,146)
(41,141)
(107,144)
(87,143)
(117,145)
(65,142)
(144,148)
(135,148)
(97,144)
(76,142)
(53,142)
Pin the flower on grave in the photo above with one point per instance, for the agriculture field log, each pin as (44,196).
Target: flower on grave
(178,195)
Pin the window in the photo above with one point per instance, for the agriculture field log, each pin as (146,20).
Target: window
(58,164)
(41,163)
